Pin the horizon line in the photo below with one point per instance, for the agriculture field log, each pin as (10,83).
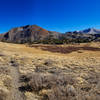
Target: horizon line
(47,29)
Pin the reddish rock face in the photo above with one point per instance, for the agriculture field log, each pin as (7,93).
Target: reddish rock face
(25,34)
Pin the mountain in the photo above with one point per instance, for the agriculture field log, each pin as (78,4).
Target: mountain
(25,33)
(34,33)
(28,33)
(90,31)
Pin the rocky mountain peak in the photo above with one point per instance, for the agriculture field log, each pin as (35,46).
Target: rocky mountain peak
(90,31)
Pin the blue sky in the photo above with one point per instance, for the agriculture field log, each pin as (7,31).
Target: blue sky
(55,15)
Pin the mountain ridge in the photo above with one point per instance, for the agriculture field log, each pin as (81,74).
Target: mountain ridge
(31,33)
(91,31)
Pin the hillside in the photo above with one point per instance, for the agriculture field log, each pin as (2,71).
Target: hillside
(47,72)
(36,34)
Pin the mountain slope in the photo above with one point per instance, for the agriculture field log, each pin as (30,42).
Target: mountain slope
(25,34)
(28,33)
(90,31)
(33,33)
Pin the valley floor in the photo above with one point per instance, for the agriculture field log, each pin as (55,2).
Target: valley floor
(46,72)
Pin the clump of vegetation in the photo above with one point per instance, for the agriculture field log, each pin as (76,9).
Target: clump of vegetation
(62,41)
(56,87)
(64,50)
(53,86)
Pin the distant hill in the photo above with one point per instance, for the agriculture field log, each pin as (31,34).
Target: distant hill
(36,34)
(90,31)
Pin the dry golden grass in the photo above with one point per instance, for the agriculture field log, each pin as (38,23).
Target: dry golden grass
(83,65)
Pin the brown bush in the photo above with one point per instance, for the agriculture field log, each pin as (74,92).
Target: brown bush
(60,87)
(64,50)
(55,85)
